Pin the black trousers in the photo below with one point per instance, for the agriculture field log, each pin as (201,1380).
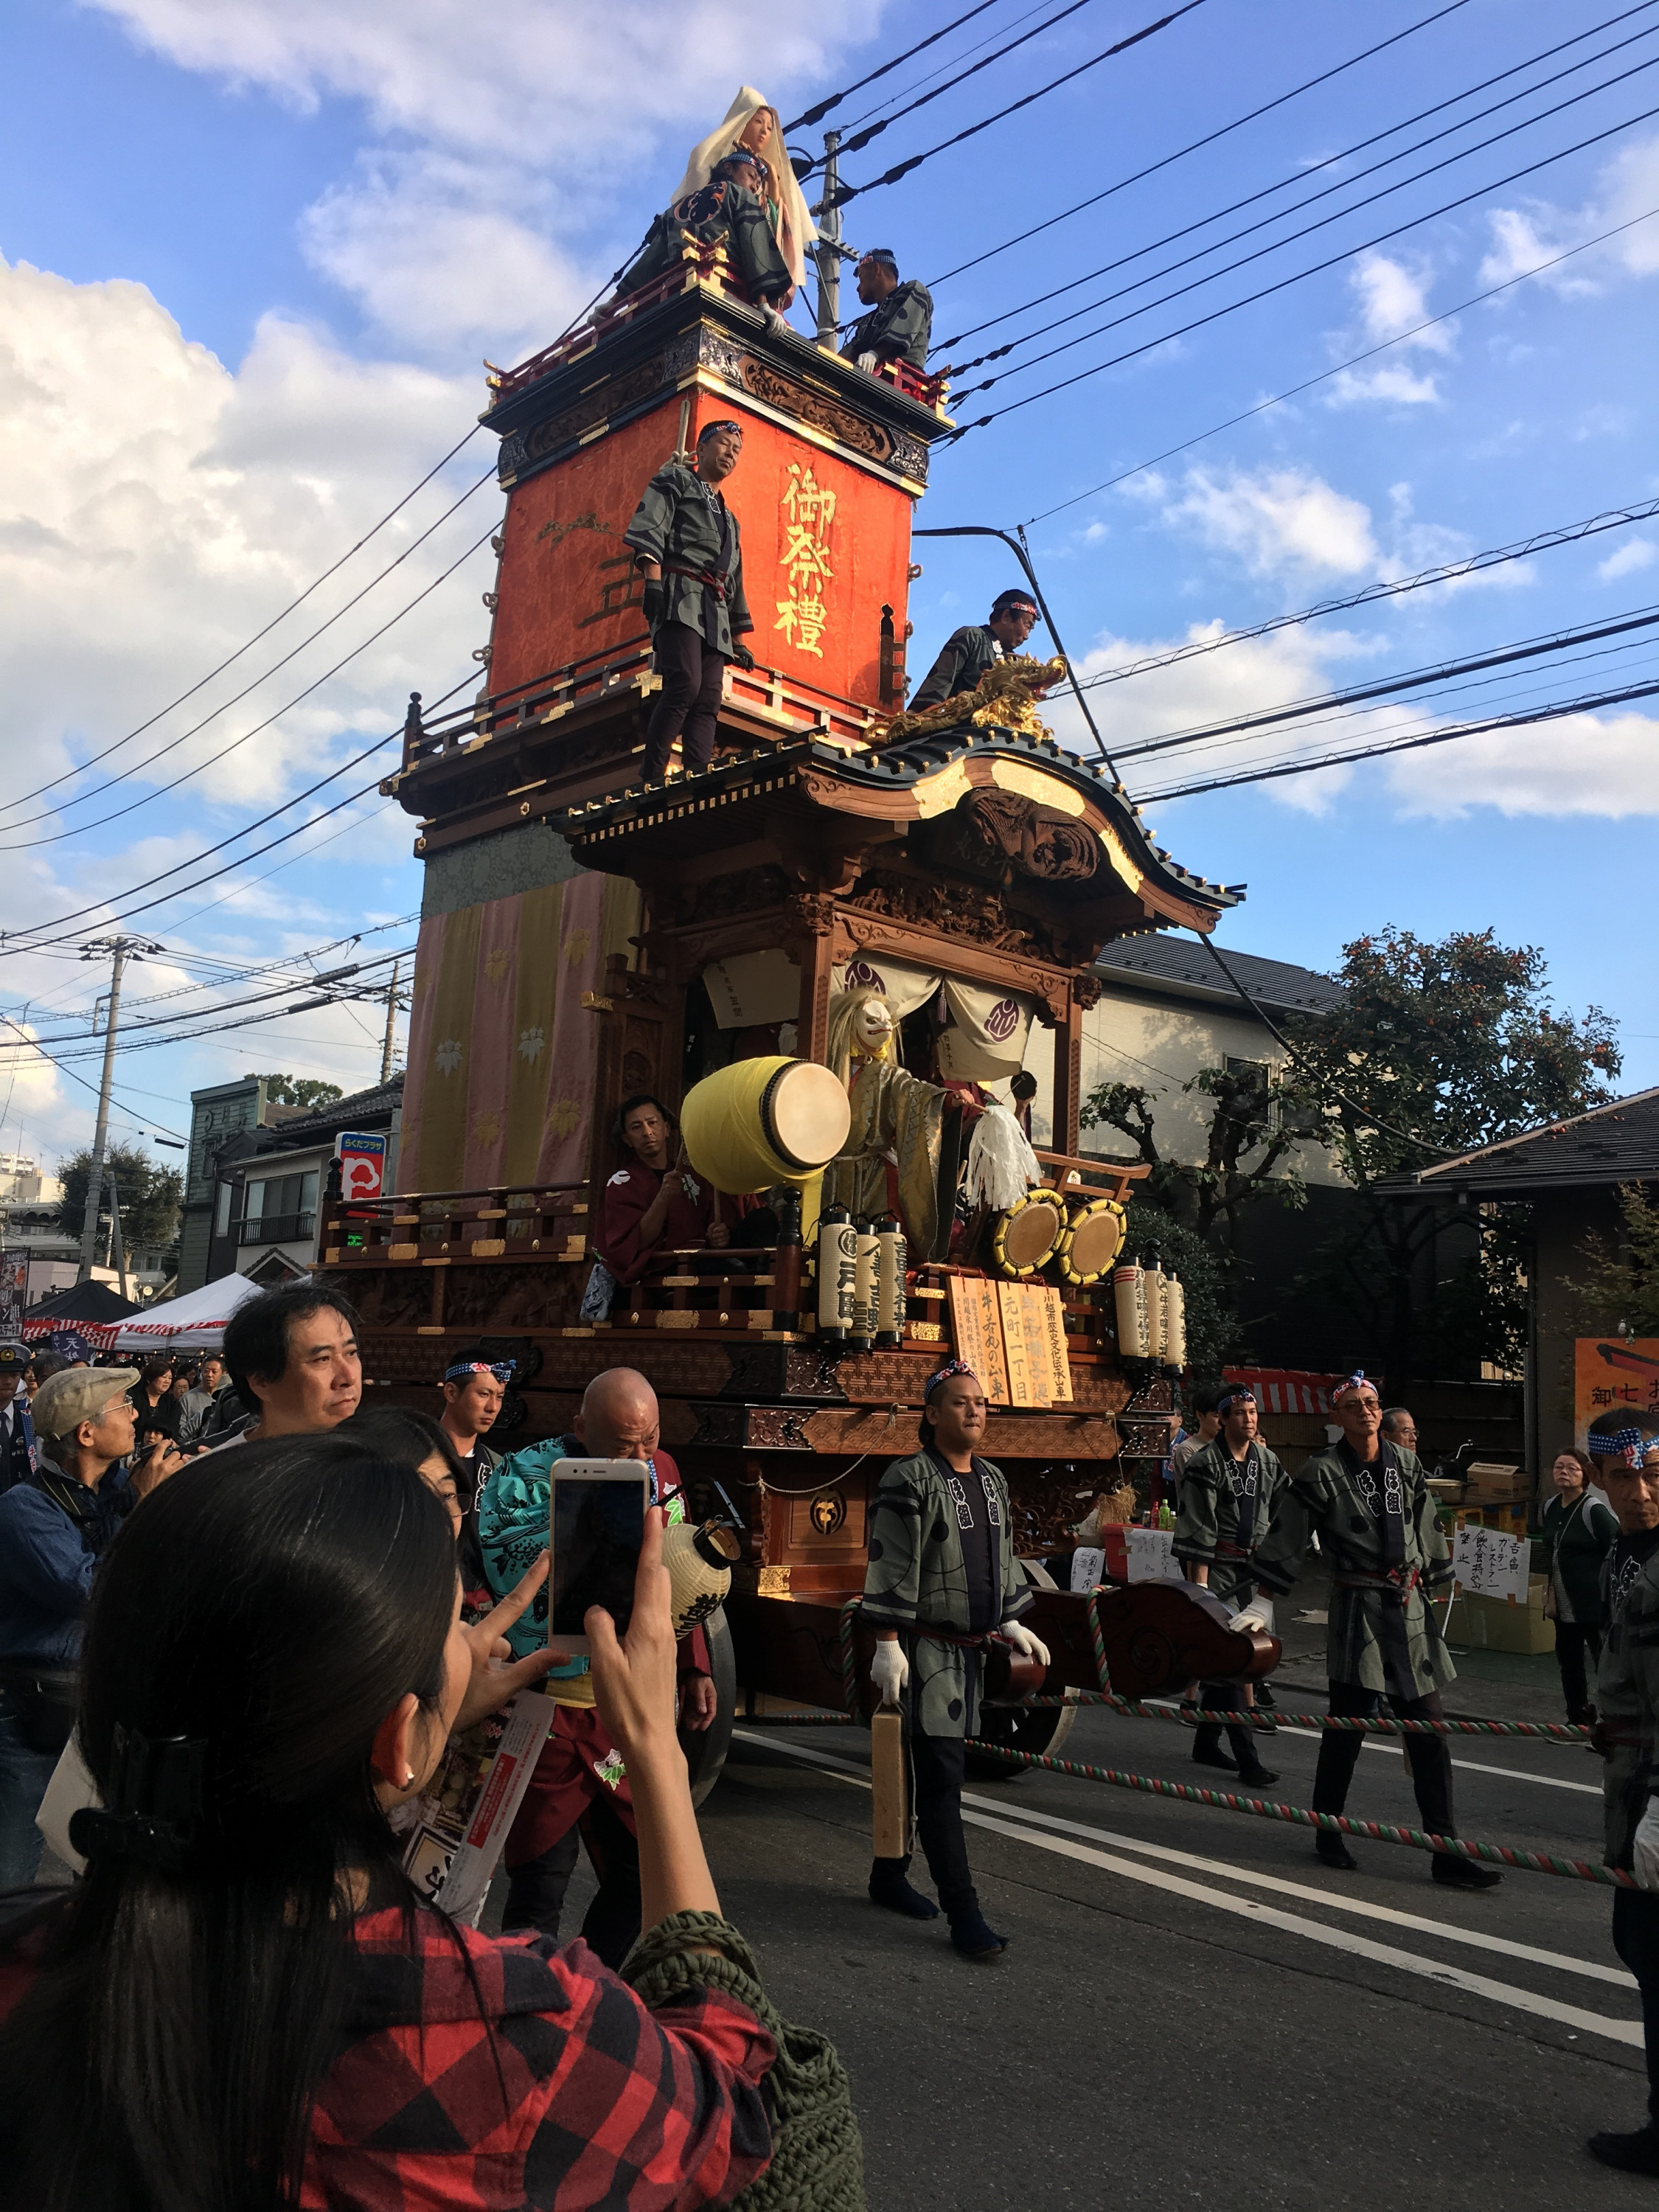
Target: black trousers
(1571,1642)
(1427,1757)
(1636,1939)
(535,1890)
(689,703)
(937,1766)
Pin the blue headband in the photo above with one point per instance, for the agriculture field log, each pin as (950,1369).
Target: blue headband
(1631,1445)
(951,1367)
(503,1371)
(1357,1382)
(1243,1396)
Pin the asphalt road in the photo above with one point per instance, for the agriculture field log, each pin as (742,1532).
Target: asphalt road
(1193,2010)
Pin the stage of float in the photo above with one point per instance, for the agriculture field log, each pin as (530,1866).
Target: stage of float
(584,938)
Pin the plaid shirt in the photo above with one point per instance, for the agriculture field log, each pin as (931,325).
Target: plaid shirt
(607,2105)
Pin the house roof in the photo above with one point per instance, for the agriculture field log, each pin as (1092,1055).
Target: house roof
(1185,968)
(377,1104)
(1612,1143)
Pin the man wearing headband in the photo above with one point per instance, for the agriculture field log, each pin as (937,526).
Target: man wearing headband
(900,323)
(969,652)
(1227,1493)
(687,547)
(729,211)
(1624,1444)
(1370,1501)
(474,1391)
(942,1579)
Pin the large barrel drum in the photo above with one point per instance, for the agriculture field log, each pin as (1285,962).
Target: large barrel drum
(763,1122)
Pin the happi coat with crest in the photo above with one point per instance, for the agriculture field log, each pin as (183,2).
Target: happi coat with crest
(918,1580)
(1377,1531)
(1227,1509)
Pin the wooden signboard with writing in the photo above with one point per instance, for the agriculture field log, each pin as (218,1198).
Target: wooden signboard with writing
(977,1327)
(1028,1378)
(1053,1326)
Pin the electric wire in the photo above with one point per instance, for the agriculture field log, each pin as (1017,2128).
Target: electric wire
(1542,541)
(1341,367)
(284,989)
(126,1114)
(213,759)
(1198,144)
(818,113)
(1283,283)
(1343,183)
(390,515)
(844,193)
(917,83)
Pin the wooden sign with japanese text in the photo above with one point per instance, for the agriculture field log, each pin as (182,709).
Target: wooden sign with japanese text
(1028,1376)
(976,1328)
(1053,1320)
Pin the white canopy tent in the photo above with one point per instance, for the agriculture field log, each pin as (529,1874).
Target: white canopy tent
(193,1323)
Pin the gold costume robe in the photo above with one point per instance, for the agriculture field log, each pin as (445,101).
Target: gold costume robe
(893,1112)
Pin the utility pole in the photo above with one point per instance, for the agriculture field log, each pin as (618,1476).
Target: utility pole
(120,951)
(391,1018)
(118,1243)
(828,248)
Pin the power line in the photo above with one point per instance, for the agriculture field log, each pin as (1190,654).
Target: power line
(817,114)
(1343,183)
(1197,144)
(391,514)
(284,989)
(213,759)
(1447,572)
(845,192)
(1283,283)
(916,85)
(71,1074)
(1340,368)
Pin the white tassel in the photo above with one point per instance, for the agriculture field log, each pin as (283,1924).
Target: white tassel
(1002,1165)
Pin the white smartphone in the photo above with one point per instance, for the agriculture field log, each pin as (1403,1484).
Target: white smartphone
(596,1527)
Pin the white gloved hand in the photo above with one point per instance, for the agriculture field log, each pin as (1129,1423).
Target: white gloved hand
(867,363)
(1024,1642)
(889,1670)
(1252,1617)
(1645,1850)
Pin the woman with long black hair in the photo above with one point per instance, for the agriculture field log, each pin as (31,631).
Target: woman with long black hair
(245,2004)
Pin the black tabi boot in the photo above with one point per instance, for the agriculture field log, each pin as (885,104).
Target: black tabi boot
(1207,1747)
(974,1938)
(889,1887)
(1464,1874)
(1251,1768)
(1634,2154)
(1333,1851)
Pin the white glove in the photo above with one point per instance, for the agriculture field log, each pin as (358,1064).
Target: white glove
(867,363)
(1644,1850)
(1253,1617)
(1024,1642)
(889,1670)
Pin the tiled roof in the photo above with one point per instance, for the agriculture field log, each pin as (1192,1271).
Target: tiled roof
(1183,964)
(1612,1143)
(360,1106)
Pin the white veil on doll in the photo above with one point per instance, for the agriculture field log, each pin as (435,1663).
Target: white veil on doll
(795,229)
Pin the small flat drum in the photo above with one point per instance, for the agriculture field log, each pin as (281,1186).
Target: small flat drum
(1092,1240)
(805,1112)
(1025,1237)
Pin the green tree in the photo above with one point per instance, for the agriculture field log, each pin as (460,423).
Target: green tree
(149,1191)
(1254,1114)
(1620,1283)
(1436,1049)
(1214,1337)
(297,1091)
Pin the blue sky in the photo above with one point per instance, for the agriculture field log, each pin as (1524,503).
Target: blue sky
(254,249)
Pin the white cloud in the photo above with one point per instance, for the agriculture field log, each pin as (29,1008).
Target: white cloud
(1277,521)
(1583,764)
(541,123)
(1392,300)
(1524,237)
(1636,553)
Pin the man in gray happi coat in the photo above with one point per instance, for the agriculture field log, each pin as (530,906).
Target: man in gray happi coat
(969,652)
(942,1579)
(1375,1515)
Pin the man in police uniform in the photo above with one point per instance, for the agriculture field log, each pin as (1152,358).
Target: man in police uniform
(942,1578)
(901,319)
(1625,1445)
(1375,1515)
(687,548)
(969,652)
(1227,1492)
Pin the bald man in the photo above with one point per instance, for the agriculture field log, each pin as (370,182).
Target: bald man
(580,1787)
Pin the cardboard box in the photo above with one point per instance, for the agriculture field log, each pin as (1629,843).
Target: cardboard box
(1483,1623)
(1491,1484)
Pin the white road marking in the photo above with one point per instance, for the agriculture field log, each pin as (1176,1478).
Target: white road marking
(1472,1766)
(1340,1938)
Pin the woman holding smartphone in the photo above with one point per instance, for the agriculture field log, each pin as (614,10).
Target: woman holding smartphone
(306,2030)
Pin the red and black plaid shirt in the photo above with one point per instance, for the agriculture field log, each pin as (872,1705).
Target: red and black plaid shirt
(608,2106)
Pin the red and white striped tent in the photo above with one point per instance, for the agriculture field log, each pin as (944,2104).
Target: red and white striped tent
(193,1323)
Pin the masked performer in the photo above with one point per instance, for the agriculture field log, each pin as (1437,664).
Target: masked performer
(1371,1503)
(686,545)
(942,1576)
(896,1117)
(970,651)
(1227,1492)
(900,323)
(730,209)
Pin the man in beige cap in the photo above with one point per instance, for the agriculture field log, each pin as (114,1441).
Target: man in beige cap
(54,1526)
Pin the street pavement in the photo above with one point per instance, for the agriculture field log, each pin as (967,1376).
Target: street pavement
(1191,2009)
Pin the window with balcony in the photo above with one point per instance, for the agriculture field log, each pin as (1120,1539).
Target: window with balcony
(280,1209)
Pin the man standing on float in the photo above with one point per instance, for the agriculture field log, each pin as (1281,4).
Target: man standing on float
(1370,1503)
(942,1578)
(687,548)
(969,652)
